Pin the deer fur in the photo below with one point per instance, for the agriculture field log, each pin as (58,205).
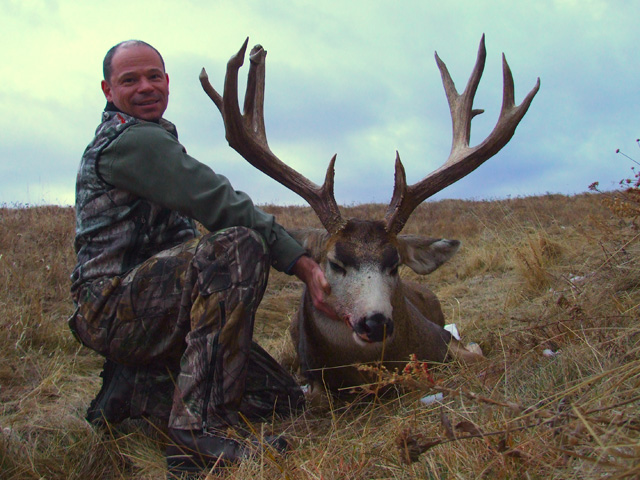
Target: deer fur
(367,286)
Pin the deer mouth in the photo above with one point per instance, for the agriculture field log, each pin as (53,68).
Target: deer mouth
(362,340)
(358,338)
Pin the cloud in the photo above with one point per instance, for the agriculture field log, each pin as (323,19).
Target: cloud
(354,78)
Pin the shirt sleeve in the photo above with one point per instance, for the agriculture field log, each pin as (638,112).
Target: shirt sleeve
(149,162)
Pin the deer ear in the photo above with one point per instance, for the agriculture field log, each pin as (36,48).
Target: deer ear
(312,239)
(424,255)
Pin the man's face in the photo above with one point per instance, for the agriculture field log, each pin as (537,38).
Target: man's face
(138,85)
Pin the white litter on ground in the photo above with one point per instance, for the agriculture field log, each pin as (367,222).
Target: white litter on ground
(429,399)
(547,352)
(453,330)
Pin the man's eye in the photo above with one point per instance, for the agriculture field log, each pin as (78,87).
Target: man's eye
(337,268)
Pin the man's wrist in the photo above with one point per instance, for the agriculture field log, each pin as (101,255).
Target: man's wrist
(303,266)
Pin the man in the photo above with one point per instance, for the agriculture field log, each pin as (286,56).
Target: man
(173,311)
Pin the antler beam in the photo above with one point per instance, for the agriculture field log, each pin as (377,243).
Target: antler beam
(463,159)
(246,134)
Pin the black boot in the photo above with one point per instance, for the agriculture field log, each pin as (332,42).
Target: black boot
(192,451)
(113,402)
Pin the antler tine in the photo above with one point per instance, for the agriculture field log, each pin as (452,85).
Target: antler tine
(462,159)
(254,97)
(460,104)
(209,90)
(247,135)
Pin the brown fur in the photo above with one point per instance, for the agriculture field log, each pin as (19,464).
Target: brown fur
(326,349)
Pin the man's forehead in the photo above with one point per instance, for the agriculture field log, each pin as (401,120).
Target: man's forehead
(129,57)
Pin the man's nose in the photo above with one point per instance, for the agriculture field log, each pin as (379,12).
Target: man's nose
(144,85)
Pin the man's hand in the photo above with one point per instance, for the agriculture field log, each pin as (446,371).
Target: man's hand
(307,270)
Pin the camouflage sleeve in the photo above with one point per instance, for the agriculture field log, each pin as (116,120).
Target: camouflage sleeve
(149,162)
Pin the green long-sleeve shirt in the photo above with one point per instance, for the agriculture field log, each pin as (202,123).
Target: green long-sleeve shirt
(148,161)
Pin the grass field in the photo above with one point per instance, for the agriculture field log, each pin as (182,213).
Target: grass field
(548,286)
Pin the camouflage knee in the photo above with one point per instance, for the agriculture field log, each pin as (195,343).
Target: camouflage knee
(229,274)
(234,260)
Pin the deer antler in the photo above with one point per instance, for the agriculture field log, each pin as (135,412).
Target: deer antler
(246,134)
(462,159)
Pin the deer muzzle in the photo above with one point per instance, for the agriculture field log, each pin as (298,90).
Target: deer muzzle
(374,328)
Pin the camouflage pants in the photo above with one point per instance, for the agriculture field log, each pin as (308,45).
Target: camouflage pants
(182,322)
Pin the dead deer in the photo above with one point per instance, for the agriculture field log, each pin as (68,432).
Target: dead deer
(385,318)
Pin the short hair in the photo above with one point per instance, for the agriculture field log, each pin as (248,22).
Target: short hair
(107,67)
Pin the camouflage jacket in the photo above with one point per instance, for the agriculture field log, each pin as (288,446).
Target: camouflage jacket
(115,229)
(160,190)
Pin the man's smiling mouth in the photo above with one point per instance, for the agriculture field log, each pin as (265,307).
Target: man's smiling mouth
(148,102)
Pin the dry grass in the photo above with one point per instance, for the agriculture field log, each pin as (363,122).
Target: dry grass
(549,287)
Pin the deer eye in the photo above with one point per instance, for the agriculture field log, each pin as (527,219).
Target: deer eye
(337,268)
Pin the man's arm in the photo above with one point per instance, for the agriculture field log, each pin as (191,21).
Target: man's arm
(149,162)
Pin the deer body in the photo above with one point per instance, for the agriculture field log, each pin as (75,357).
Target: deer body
(386,319)
(381,317)
(328,355)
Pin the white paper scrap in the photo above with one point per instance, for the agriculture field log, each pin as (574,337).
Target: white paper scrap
(453,330)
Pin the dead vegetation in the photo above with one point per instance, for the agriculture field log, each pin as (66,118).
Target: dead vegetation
(548,286)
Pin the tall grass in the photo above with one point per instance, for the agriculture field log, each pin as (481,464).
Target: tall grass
(548,286)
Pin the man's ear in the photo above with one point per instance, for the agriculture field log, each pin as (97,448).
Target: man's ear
(167,75)
(106,89)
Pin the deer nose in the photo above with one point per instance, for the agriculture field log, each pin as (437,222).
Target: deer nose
(375,327)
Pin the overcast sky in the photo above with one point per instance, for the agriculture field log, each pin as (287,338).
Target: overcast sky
(347,77)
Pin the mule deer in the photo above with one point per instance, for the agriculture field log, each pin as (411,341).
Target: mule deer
(384,317)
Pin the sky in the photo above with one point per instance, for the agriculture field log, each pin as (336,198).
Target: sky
(354,78)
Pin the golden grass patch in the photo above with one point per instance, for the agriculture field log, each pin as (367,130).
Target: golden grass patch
(548,286)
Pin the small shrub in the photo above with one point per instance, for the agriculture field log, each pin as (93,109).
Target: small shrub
(625,202)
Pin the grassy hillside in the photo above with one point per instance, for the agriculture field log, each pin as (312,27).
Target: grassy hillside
(548,286)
